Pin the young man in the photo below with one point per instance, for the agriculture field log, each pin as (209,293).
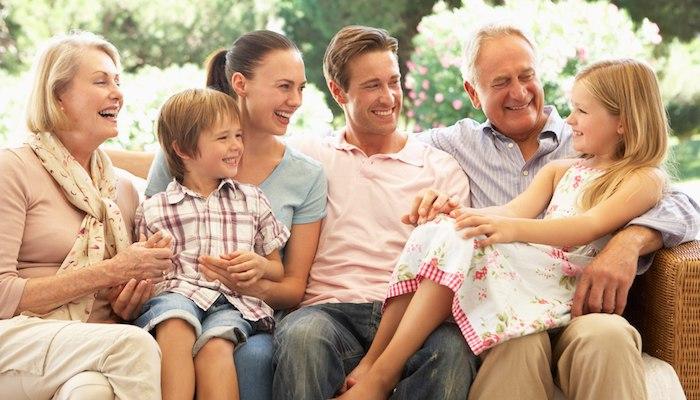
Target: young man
(373,171)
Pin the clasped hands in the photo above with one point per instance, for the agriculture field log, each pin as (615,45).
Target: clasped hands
(141,266)
(470,222)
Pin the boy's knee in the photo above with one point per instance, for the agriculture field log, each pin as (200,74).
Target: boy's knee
(216,347)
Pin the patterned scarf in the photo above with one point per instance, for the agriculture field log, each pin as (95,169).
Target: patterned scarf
(102,233)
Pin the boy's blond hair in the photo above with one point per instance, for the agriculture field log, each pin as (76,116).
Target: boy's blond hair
(184,117)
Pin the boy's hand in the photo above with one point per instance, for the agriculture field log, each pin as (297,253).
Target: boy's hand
(216,268)
(246,267)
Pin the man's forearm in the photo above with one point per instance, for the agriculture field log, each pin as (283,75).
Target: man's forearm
(640,239)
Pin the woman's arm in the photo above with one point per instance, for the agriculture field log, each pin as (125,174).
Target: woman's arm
(138,261)
(298,257)
(299,254)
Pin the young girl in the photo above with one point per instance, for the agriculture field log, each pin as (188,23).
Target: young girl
(264,72)
(520,277)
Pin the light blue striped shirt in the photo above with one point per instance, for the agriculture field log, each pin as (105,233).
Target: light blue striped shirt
(498,173)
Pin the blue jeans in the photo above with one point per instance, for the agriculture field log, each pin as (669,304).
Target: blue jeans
(254,367)
(315,347)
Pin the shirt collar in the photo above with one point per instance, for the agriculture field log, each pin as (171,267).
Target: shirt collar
(555,125)
(176,192)
(411,153)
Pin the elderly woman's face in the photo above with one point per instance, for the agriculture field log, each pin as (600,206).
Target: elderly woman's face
(93,99)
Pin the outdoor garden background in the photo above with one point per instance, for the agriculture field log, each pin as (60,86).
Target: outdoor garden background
(164,42)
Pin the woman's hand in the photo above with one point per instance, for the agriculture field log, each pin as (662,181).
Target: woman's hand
(127,300)
(147,259)
(470,222)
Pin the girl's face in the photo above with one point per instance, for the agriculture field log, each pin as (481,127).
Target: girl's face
(274,93)
(596,131)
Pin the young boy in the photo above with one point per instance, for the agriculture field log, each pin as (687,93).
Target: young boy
(206,212)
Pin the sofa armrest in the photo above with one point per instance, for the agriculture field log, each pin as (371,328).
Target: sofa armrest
(667,299)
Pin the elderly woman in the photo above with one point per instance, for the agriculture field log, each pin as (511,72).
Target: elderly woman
(67,264)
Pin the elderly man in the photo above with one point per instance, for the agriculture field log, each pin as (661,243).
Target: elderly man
(598,355)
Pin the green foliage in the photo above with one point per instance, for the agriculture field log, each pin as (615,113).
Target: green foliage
(568,34)
(676,18)
(156,32)
(681,87)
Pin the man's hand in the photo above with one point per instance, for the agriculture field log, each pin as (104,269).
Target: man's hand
(427,205)
(605,282)
(127,300)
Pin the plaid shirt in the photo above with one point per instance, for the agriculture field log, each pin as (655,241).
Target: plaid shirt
(234,217)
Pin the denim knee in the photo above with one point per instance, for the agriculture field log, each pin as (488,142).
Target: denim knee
(254,367)
(443,368)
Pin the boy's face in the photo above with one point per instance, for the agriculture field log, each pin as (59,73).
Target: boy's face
(220,150)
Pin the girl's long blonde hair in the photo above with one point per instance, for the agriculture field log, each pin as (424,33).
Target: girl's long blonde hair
(629,89)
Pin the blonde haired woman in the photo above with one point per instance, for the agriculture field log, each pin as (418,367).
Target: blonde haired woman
(67,265)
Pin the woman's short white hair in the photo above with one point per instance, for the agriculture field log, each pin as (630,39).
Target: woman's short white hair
(56,65)
(474,42)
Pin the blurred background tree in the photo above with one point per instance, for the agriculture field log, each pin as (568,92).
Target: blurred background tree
(164,42)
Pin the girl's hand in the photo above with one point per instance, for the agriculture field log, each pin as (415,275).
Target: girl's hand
(497,229)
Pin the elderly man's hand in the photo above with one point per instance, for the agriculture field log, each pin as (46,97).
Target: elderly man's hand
(427,205)
(606,281)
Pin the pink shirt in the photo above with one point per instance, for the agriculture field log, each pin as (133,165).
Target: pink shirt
(362,235)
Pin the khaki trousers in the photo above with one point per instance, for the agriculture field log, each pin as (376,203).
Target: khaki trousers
(597,356)
(45,359)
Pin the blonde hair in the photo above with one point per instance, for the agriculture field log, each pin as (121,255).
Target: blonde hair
(476,40)
(55,67)
(629,89)
(183,118)
(352,41)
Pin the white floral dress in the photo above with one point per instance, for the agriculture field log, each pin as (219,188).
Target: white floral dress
(505,290)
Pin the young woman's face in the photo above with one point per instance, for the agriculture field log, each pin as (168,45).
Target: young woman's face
(274,92)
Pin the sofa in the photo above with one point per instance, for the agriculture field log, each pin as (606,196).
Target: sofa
(664,305)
